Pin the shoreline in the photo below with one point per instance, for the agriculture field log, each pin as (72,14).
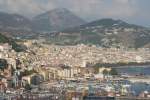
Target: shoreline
(121,64)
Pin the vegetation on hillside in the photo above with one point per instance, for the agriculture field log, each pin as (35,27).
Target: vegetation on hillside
(105,33)
(10,41)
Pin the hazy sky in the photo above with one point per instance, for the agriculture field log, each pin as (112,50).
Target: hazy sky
(133,11)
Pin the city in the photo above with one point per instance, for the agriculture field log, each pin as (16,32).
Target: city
(74,50)
(52,72)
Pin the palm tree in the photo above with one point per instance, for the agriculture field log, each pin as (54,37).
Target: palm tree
(105,72)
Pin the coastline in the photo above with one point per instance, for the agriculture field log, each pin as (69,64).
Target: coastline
(121,64)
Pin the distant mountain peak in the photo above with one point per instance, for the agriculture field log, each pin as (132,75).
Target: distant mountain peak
(60,10)
(57,19)
(53,11)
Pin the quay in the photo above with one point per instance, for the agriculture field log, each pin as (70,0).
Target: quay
(139,79)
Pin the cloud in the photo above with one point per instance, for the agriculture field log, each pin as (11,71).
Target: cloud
(81,7)
(87,9)
(122,1)
(121,8)
(25,7)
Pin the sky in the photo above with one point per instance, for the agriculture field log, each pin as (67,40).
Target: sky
(132,11)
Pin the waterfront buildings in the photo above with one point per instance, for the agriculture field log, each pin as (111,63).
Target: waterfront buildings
(48,71)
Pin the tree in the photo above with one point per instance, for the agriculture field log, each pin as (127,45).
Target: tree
(105,72)
(28,72)
(12,70)
(113,71)
(96,69)
(27,87)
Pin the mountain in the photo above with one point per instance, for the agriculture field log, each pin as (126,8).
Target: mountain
(14,22)
(104,32)
(56,20)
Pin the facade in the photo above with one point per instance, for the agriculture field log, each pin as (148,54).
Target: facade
(68,72)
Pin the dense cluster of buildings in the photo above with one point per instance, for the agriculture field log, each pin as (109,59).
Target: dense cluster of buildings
(49,70)
(80,55)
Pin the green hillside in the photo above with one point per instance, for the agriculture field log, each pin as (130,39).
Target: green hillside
(10,41)
(105,33)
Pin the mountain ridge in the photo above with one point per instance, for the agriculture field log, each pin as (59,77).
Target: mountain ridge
(65,28)
(106,33)
(53,20)
(14,22)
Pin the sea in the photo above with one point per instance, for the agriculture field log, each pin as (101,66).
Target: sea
(136,70)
